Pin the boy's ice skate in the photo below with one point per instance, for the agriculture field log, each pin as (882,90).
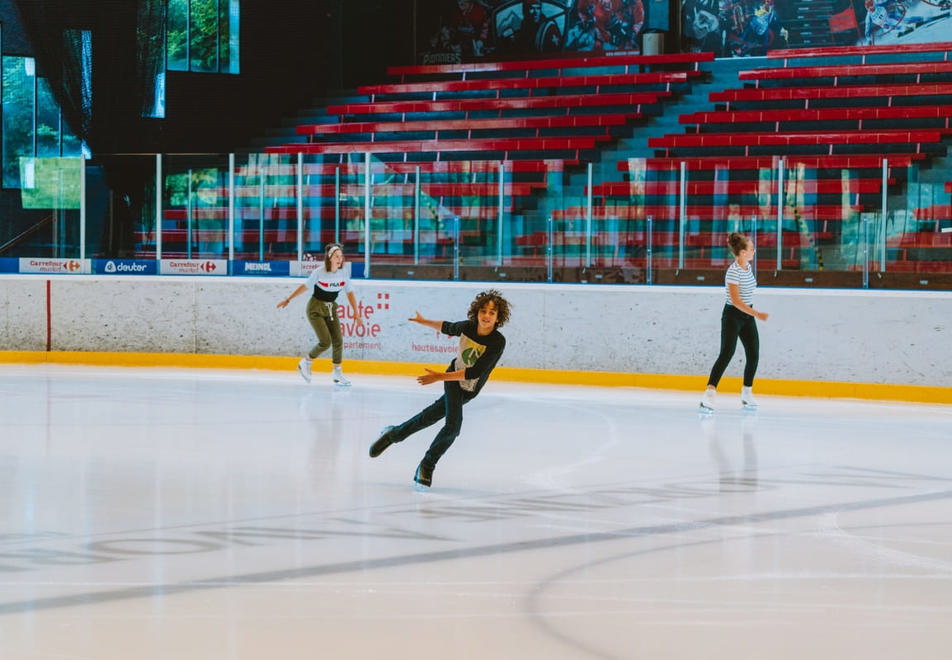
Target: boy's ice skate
(423,477)
(340,380)
(304,368)
(706,407)
(385,440)
(747,399)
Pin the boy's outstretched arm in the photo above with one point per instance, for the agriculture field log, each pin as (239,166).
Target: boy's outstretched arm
(436,376)
(436,325)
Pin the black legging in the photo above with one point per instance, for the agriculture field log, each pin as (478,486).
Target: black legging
(734,324)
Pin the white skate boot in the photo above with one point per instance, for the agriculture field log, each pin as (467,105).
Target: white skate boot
(304,368)
(707,402)
(340,380)
(747,399)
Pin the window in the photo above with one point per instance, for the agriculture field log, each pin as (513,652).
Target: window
(32,122)
(203,36)
(19,104)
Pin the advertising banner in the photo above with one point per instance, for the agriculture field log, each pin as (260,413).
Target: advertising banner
(193,267)
(454,31)
(125,267)
(742,28)
(306,267)
(262,268)
(54,266)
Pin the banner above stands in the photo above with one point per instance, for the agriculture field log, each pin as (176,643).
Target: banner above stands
(473,30)
(213,267)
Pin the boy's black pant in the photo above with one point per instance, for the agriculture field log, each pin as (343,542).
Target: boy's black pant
(734,324)
(450,406)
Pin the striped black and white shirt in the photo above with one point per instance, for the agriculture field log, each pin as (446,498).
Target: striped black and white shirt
(745,281)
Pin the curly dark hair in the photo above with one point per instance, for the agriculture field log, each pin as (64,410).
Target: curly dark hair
(496,298)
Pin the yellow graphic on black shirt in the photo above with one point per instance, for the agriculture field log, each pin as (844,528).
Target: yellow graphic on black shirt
(469,351)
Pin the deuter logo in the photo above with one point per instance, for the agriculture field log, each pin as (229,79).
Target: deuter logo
(112,267)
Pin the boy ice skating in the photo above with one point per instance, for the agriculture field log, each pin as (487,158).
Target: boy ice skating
(480,347)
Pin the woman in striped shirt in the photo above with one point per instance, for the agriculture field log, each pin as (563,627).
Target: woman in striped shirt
(737,320)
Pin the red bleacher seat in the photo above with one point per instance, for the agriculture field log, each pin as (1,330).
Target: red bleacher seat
(563,101)
(886,94)
(561,65)
(436,87)
(863,53)
(469,125)
(836,72)
(893,113)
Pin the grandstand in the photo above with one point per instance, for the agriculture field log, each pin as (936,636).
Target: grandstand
(509,166)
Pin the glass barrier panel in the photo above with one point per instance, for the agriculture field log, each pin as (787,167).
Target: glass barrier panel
(474,198)
(333,204)
(434,215)
(918,229)
(42,217)
(538,201)
(121,207)
(827,216)
(265,202)
(195,207)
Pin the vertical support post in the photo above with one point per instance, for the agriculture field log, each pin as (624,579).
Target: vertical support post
(231,207)
(865,222)
(882,224)
(753,238)
(416,217)
(261,174)
(648,254)
(682,213)
(588,219)
(300,206)
(780,175)
(188,217)
(367,212)
(158,207)
(499,217)
(549,230)
(456,224)
(82,206)
(336,205)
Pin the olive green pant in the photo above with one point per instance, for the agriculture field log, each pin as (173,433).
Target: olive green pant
(323,318)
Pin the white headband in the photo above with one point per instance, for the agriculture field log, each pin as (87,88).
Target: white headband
(334,248)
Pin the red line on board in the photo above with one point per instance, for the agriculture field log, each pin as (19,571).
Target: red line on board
(49,319)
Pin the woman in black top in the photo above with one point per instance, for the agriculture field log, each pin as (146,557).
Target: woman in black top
(481,345)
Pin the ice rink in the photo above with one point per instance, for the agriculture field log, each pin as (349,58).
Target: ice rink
(170,513)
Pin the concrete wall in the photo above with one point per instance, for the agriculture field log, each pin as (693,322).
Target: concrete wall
(892,337)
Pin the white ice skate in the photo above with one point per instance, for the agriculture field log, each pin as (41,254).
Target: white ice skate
(706,406)
(747,399)
(340,380)
(304,368)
